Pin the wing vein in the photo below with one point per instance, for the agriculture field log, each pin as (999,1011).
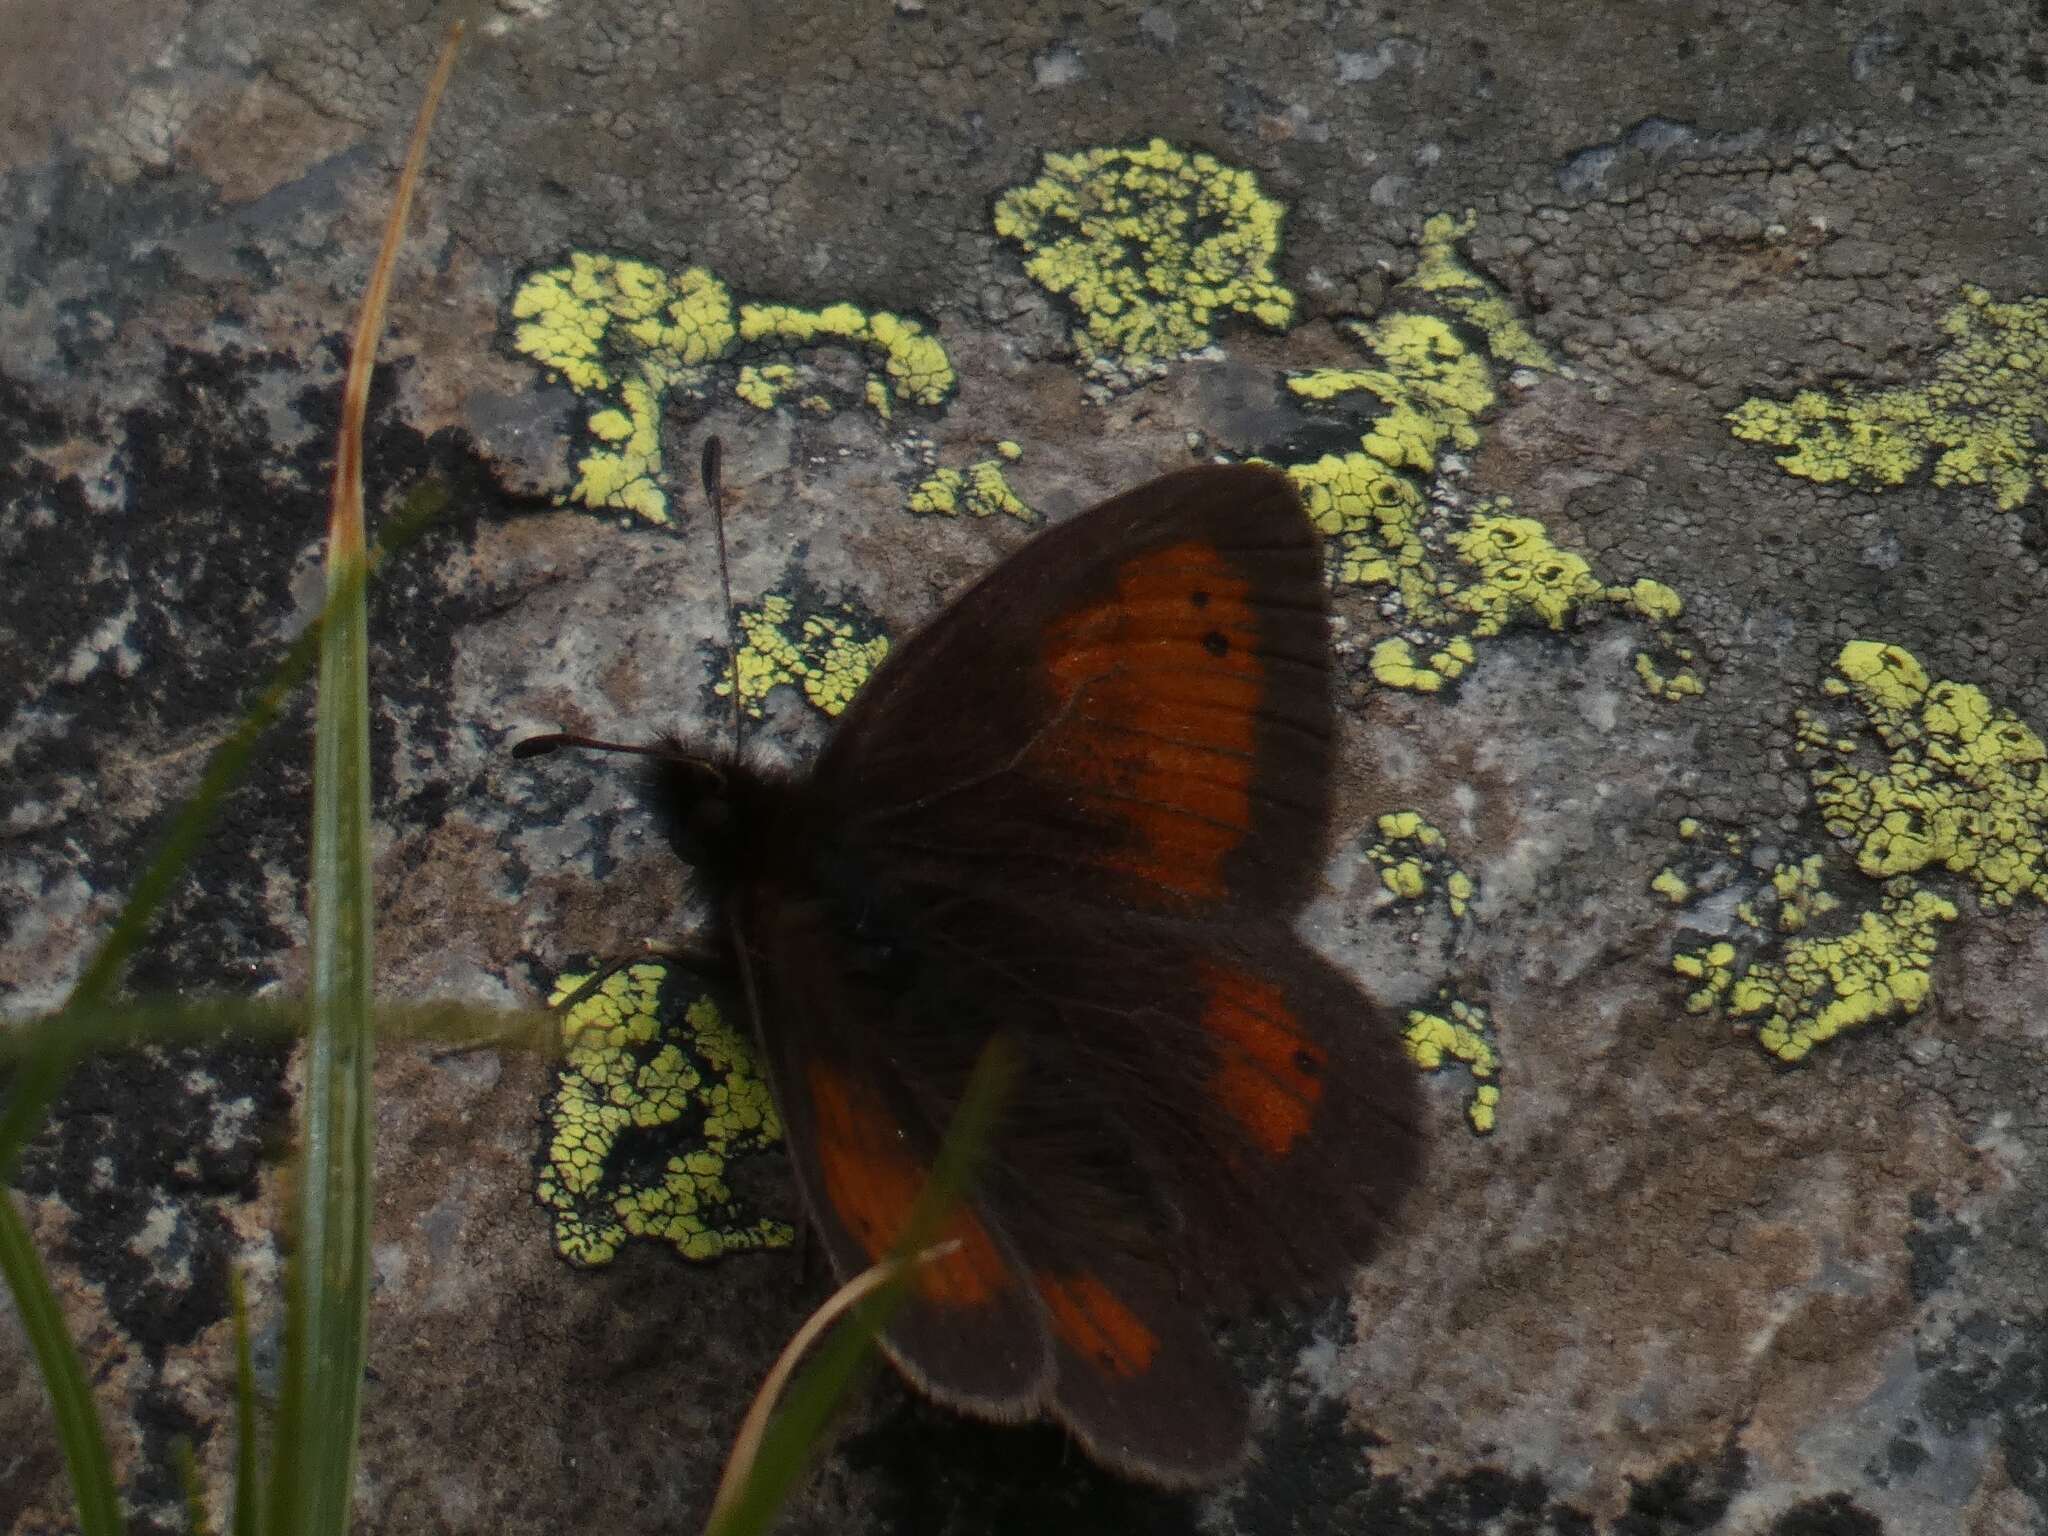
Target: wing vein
(1313,731)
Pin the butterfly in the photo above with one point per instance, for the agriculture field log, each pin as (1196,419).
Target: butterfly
(1078,811)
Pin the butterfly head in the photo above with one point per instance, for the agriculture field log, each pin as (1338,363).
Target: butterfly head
(723,815)
(711,806)
(695,797)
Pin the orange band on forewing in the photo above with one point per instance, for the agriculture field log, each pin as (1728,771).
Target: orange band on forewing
(1165,682)
(1269,1075)
(1089,1319)
(871,1182)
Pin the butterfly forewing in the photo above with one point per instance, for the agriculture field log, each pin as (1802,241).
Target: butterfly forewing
(1134,709)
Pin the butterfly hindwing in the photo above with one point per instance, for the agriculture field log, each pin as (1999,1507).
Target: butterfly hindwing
(1076,1291)
(1217,1093)
(970,1331)
(1140,1381)
(1309,1109)
(1206,1113)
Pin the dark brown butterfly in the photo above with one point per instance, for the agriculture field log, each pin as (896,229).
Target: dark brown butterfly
(1079,810)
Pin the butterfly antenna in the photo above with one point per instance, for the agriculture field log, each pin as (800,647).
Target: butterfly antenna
(712,468)
(535,746)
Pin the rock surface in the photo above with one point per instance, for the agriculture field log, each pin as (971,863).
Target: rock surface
(1669,384)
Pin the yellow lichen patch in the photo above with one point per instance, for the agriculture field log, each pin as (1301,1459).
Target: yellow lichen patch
(1394,666)
(1428,393)
(1800,896)
(648,1112)
(1413,860)
(1521,575)
(1653,600)
(1963,784)
(629,337)
(1714,968)
(1501,570)
(916,365)
(1431,387)
(1425,392)
(1372,517)
(1518,575)
(1459,571)
(1450,659)
(1442,274)
(576,318)
(1823,986)
(1671,687)
(626,334)
(1979,417)
(1152,246)
(1458,1032)
(827,653)
(763,387)
(1938,778)
(1705,868)
(978,490)
(1484,1110)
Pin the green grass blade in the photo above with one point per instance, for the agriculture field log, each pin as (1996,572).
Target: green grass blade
(199,1020)
(327,1324)
(248,1435)
(78,1422)
(848,1353)
(327,1287)
(30,1093)
(197,1520)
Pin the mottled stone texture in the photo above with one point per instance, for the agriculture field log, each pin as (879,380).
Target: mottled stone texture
(1681,1287)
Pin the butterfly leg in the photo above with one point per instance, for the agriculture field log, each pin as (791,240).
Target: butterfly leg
(694,952)
(807,1252)
(691,953)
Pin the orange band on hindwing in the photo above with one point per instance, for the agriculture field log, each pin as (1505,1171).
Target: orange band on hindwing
(1089,1319)
(871,1181)
(1269,1071)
